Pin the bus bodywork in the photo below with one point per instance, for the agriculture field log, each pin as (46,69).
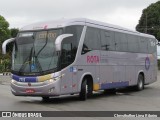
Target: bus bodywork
(93,54)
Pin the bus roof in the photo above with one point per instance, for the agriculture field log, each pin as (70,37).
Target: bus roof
(79,21)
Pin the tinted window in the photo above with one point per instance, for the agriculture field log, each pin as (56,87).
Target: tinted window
(107,40)
(70,45)
(143,46)
(121,42)
(92,40)
(151,45)
(133,45)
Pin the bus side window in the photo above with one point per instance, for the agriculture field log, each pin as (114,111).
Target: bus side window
(66,54)
(107,40)
(91,41)
(143,45)
(121,42)
(133,43)
(85,49)
(70,45)
(151,45)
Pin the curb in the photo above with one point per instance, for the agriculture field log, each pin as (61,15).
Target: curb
(6,73)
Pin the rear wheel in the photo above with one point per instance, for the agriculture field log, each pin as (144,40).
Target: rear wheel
(140,83)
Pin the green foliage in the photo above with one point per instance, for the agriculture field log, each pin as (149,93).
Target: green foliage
(150,20)
(5,33)
(4,30)
(14,32)
(5,65)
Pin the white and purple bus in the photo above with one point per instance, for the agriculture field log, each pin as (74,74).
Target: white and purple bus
(80,56)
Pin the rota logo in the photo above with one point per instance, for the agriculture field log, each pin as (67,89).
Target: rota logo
(92,59)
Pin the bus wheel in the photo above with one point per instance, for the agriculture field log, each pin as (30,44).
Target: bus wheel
(89,88)
(45,99)
(140,83)
(83,92)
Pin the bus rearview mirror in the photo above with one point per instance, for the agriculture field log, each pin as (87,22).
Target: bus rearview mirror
(59,40)
(4,45)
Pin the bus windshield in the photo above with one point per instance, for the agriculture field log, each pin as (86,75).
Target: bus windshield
(34,52)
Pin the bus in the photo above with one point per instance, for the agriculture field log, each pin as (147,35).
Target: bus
(80,56)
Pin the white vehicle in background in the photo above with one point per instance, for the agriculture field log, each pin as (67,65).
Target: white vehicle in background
(80,56)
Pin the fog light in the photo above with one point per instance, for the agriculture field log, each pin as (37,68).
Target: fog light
(51,90)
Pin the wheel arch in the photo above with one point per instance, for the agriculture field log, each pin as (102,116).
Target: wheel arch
(85,75)
(142,73)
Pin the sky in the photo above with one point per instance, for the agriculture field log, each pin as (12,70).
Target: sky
(125,13)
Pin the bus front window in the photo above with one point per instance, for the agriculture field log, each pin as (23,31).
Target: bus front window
(35,52)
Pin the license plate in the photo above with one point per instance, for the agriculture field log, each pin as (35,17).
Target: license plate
(30,91)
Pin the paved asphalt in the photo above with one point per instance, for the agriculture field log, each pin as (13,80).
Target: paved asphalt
(123,100)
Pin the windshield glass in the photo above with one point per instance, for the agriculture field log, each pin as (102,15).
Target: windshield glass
(35,51)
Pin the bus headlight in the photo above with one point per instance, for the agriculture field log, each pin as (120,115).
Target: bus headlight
(54,79)
(58,77)
(13,81)
(51,80)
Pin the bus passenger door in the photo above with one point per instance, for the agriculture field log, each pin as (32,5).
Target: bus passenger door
(66,81)
(66,60)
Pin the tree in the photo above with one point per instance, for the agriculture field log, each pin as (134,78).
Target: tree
(150,20)
(5,33)
(14,32)
(4,30)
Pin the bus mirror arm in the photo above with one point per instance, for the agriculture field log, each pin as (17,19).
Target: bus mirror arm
(5,44)
(59,40)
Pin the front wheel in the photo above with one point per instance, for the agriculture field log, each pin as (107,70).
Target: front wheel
(140,83)
(83,92)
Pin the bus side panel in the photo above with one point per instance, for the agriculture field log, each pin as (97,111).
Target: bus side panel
(88,64)
(112,69)
(131,75)
(151,71)
(66,81)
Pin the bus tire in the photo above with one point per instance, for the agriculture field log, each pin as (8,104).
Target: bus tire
(45,99)
(140,83)
(89,88)
(83,92)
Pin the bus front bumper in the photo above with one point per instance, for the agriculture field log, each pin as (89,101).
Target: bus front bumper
(47,88)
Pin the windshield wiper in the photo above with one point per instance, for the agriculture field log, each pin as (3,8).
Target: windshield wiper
(37,61)
(36,56)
